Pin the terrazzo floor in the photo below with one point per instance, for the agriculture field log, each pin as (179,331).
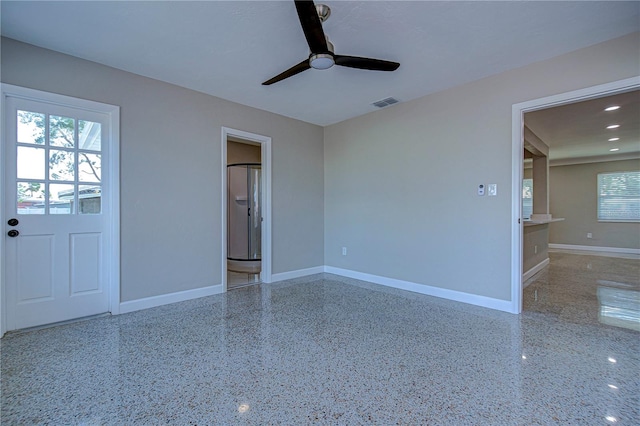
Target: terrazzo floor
(237,279)
(584,289)
(323,350)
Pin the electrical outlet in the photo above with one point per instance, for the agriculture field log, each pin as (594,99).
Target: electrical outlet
(344,251)
(589,235)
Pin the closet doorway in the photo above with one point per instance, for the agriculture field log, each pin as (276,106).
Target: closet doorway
(246,189)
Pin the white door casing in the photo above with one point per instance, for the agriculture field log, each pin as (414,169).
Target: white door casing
(61,182)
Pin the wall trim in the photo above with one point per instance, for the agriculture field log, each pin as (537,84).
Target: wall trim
(297,274)
(531,272)
(165,299)
(603,251)
(457,296)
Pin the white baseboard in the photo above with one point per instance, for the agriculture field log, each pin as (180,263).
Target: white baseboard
(165,299)
(458,296)
(597,251)
(181,296)
(531,272)
(297,274)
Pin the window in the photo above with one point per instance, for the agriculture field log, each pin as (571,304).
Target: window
(527,198)
(619,197)
(57,157)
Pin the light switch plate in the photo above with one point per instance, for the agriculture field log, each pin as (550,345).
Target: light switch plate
(493,189)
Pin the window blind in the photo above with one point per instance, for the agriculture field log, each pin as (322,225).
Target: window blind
(619,197)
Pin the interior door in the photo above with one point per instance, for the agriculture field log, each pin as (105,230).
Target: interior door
(54,203)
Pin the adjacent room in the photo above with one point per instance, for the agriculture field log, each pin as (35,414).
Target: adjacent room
(583,222)
(287,212)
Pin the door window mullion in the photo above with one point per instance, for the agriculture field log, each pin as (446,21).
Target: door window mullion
(76,165)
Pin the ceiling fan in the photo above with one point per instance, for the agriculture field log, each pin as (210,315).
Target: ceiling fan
(322,57)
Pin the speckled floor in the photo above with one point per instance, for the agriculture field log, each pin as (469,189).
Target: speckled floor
(322,350)
(237,279)
(587,290)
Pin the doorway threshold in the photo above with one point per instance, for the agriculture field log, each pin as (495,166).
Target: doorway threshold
(56,324)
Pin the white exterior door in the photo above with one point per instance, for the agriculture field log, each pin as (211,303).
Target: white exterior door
(57,208)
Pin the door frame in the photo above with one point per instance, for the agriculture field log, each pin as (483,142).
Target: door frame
(517,164)
(112,215)
(265,159)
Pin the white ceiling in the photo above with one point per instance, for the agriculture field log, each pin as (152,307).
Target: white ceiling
(578,132)
(227,49)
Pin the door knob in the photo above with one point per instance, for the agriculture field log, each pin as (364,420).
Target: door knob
(13,222)
(13,233)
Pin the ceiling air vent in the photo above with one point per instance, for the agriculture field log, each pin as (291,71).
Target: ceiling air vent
(385,102)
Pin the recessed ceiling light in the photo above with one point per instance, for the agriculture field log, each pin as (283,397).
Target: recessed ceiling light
(612,108)
(614,149)
(614,139)
(613,126)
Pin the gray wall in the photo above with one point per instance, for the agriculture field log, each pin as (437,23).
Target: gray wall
(535,245)
(400,183)
(170,157)
(574,196)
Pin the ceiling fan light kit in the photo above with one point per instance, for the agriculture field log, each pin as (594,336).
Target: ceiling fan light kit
(321,61)
(322,55)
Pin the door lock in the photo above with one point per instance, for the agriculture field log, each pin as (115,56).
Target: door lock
(13,222)
(13,233)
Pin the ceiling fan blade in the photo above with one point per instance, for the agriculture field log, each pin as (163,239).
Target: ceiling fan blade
(365,63)
(311,26)
(296,69)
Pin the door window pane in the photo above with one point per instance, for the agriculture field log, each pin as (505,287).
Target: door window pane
(31,127)
(61,198)
(89,167)
(89,199)
(61,165)
(61,131)
(89,134)
(30,163)
(31,197)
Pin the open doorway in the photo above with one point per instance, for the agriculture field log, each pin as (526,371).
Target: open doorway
(518,167)
(246,211)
